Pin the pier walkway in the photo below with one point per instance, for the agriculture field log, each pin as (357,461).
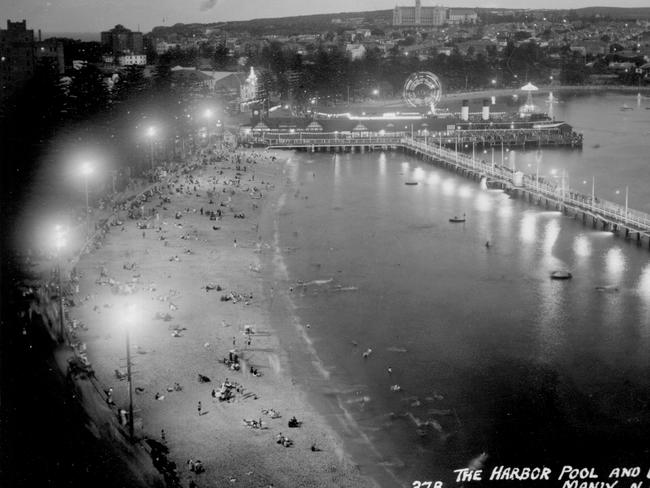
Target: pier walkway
(600,213)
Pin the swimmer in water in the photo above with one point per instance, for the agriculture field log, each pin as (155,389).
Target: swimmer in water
(390,370)
(367,353)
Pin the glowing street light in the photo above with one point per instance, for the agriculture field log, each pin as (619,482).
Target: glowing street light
(87,170)
(151,133)
(375,92)
(626,199)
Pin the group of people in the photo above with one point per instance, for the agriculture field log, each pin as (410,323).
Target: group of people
(283,440)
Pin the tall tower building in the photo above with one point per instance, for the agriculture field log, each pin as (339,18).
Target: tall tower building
(16,56)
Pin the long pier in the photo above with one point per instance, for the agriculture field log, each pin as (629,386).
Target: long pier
(603,214)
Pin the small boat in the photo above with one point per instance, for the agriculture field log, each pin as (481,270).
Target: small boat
(561,275)
(456,219)
(626,107)
(607,288)
(410,183)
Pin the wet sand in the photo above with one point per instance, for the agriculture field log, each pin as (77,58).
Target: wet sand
(175,259)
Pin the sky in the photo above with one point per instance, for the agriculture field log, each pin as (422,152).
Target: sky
(53,16)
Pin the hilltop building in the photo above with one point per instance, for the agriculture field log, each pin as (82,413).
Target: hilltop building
(121,40)
(432,16)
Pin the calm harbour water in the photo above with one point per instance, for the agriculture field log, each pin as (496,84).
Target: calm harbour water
(491,355)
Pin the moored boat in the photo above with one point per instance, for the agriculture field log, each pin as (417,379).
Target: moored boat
(561,275)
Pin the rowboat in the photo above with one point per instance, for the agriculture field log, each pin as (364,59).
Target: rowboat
(561,275)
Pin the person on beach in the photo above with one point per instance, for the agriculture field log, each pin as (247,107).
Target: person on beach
(199,408)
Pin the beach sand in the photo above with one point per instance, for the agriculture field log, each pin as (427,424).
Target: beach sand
(175,258)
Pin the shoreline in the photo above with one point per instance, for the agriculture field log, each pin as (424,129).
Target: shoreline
(230,257)
(448,99)
(353,447)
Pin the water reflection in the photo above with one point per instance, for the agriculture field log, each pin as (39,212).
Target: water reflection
(643,290)
(483,202)
(433,178)
(465,191)
(448,186)
(614,264)
(582,246)
(337,169)
(505,208)
(382,164)
(527,230)
(551,232)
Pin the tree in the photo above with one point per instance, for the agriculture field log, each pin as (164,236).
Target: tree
(88,92)
(220,58)
(131,84)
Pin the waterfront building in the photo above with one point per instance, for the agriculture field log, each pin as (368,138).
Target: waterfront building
(121,40)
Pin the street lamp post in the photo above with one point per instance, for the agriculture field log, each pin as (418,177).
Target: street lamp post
(86,170)
(626,201)
(593,192)
(59,242)
(473,155)
(502,149)
(492,158)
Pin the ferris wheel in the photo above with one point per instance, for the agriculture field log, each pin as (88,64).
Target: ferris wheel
(422,89)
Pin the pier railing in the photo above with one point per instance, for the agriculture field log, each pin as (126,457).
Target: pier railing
(630,218)
(561,195)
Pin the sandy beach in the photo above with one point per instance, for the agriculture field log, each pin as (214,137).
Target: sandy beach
(204,289)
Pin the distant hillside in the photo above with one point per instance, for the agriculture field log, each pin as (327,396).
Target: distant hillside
(615,12)
(309,24)
(303,24)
